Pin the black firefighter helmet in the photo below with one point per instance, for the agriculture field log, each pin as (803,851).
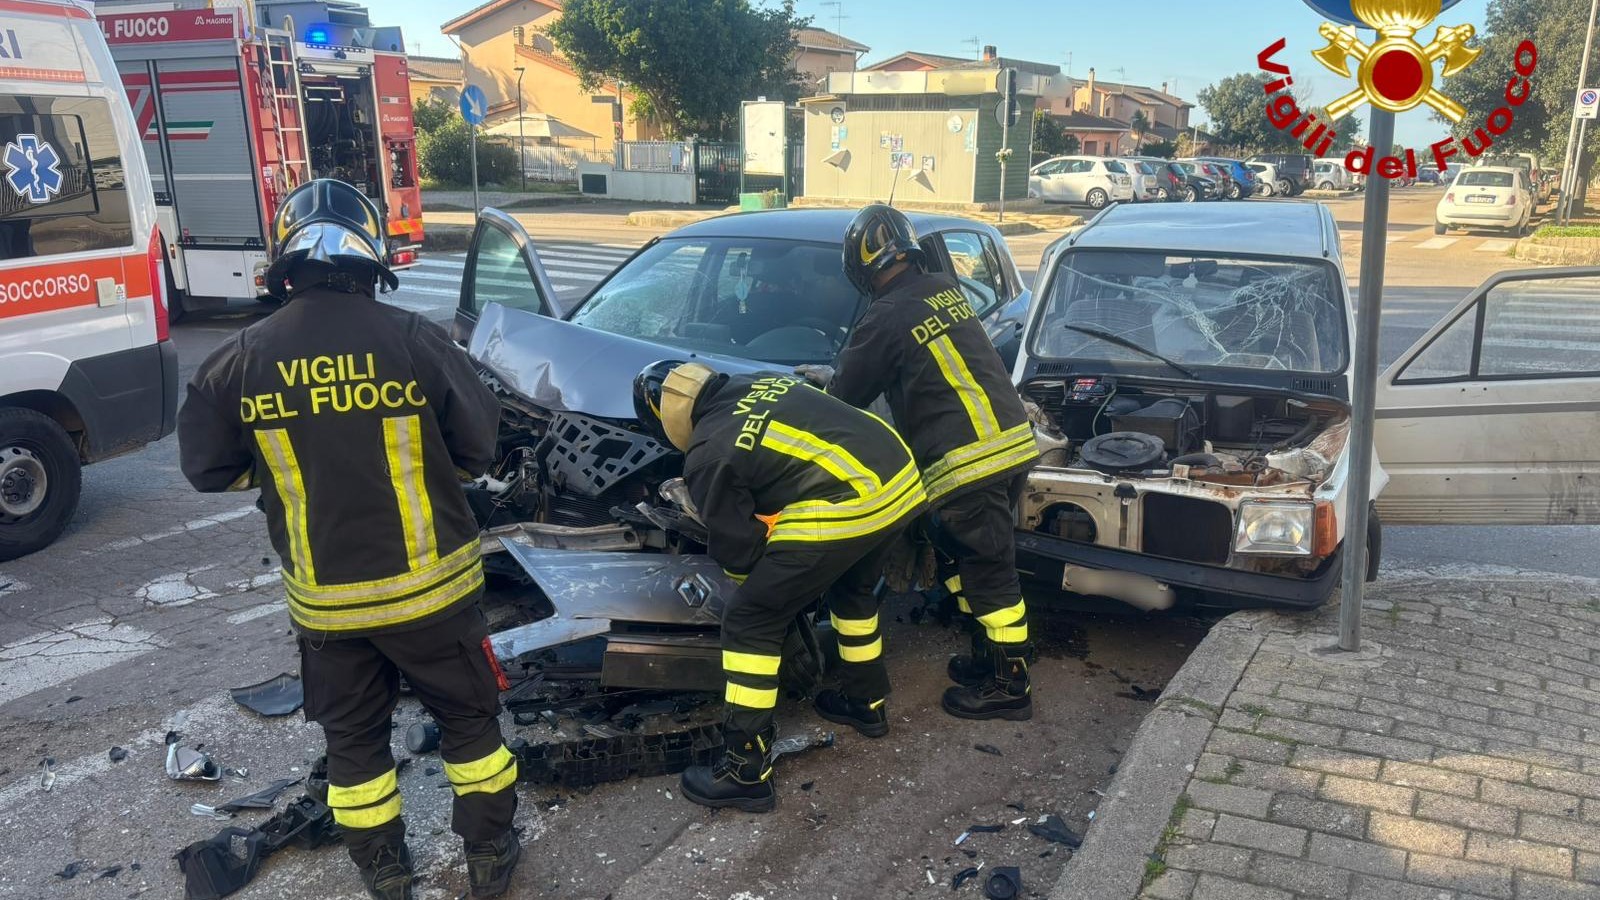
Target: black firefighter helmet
(664,394)
(878,237)
(332,224)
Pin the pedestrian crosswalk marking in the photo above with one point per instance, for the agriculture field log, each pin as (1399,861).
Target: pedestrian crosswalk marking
(48,659)
(1437,243)
(1494,246)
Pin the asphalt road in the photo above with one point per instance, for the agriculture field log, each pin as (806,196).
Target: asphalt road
(158,600)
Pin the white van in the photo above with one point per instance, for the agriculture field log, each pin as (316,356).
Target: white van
(87,370)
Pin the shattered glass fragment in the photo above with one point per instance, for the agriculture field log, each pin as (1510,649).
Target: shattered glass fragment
(47,774)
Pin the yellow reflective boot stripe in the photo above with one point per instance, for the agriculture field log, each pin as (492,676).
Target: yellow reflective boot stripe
(963,605)
(735,577)
(1007,616)
(366,805)
(750,663)
(865,653)
(854,627)
(486,775)
(1012,634)
(753,698)
(832,458)
(953,584)
(972,395)
(369,816)
(402,444)
(279,454)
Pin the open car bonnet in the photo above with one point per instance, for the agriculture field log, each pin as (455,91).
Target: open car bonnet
(571,368)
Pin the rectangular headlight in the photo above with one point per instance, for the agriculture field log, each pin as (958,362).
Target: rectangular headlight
(1275,527)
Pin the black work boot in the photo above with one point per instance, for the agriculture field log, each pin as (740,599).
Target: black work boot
(870,717)
(742,780)
(388,875)
(970,669)
(489,864)
(1003,694)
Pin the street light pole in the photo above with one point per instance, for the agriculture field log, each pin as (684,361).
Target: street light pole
(1569,171)
(1358,488)
(522,140)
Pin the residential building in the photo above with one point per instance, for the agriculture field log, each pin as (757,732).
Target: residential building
(435,78)
(1114,100)
(821,53)
(915,62)
(1097,135)
(500,36)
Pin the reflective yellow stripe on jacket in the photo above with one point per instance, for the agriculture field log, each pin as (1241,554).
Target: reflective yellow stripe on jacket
(1010,449)
(877,505)
(431,583)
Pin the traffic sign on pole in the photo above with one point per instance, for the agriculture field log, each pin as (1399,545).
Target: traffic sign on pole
(474,105)
(1588,106)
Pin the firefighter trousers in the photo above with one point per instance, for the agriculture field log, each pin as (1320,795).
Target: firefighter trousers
(787,579)
(974,533)
(351,687)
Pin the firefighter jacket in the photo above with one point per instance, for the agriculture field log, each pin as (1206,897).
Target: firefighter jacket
(354,418)
(813,469)
(921,346)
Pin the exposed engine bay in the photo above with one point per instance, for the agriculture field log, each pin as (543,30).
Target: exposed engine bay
(1163,468)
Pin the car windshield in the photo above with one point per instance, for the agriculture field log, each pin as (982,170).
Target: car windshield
(771,300)
(1508,162)
(1485,179)
(1195,310)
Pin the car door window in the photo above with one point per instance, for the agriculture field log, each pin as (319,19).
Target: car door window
(66,191)
(976,265)
(1448,357)
(1527,328)
(500,275)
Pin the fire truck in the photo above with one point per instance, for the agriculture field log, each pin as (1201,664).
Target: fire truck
(238,105)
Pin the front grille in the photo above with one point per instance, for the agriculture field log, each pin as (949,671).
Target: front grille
(576,510)
(1184,528)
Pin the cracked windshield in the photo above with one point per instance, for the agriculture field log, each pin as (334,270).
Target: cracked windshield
(799,450)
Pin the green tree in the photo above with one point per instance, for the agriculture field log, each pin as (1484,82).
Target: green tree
(690,62)
(1163,149)
(1237,108)
(1140,124)
(1346,130)
(432,114)
(1048,138)
(1541,123)
(445,156)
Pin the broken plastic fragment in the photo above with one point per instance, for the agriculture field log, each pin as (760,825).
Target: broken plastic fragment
(985,829)
(798,744)
(423,737)
(262,799)
(71,869)
(209,812)
(109,873)
(1005,883)
(117,754)
(47,775)
(1056,831)
(962,839)
(988,748)
(963,876)
(188,764)
(277,696)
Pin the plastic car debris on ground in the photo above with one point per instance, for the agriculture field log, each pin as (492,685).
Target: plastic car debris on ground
(218,866)
(262,799)
(47,774)
(1005,883)
(189,763)
(1052,829)
(277,696)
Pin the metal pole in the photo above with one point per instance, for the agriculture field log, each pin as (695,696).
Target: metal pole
(476,206)
(1005,141)
(1577,161)
(1569,173)
(522,139)
(1358,490)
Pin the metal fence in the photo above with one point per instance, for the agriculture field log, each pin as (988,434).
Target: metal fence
(655,156)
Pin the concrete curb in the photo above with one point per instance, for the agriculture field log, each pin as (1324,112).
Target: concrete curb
(1159,762)
(1554,254)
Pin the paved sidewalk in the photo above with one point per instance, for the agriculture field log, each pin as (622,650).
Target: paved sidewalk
(1457,757)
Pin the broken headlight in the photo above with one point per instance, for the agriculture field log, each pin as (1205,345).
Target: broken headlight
(1275,527)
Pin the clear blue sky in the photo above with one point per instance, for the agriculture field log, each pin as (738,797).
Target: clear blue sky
(1186,44)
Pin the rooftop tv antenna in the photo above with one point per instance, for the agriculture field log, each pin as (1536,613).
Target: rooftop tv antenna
(977,46)
(838,15)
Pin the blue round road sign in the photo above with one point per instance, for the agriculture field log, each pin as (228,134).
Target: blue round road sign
(1340,11)
(474,105)
(1587,98)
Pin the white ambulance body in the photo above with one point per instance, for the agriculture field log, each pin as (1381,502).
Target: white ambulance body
(87,370)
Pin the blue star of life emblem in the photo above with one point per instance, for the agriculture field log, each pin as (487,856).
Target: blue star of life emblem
(34,168)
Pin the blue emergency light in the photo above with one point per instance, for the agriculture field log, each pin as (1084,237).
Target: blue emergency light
(318,34)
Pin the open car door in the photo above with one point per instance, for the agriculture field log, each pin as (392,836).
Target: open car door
(502,267)
(1493,417)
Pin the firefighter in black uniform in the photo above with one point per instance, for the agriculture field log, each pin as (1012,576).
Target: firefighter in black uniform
(800,493)
(355,418)
(920,345)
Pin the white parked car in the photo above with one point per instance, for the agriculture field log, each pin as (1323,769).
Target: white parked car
(1146,186)
(1330,175)
(1486,197)
(1188,372)
(1267,182)
(1091,180)
(1528,163)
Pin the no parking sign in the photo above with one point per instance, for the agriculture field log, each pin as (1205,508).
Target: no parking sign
(1588,104)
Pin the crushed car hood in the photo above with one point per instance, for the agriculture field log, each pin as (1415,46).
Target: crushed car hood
(571,368)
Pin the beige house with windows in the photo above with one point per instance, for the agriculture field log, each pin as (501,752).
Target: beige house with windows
(435,78)
(1113,100)
(821,53)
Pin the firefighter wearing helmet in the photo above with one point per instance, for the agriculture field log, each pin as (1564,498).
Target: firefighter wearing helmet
(800,494)
(355,419)
(921,347)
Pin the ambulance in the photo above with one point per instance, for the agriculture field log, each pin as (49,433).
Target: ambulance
(87,370)
(239,103)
